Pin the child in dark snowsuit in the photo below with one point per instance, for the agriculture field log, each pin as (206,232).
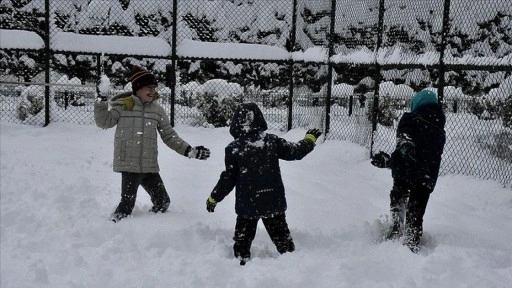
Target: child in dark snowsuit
(252,166)
(414,166)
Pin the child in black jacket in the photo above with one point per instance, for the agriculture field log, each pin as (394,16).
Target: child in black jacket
(415,163)
(252,166)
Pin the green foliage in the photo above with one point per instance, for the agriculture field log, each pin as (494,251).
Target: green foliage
(18,17)
(32,103)
(79,66)
(476,107)
(492,35)
(362,88)
(217,112)
(386,111)
(506,112)
(498,144)
(311,75)
(484,108)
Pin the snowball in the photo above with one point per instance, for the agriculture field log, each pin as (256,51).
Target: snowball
(104,85)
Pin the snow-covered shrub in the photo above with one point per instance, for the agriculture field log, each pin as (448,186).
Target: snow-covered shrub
(217,111)
(484,108)
(217,100)
(186,95)
(32,102)
(475,107)
(386,111)
(506,112)
(498,144)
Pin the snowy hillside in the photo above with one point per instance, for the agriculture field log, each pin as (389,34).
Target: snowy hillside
(58,189)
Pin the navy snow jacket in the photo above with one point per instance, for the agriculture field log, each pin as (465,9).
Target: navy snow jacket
(423,126)
(252,165)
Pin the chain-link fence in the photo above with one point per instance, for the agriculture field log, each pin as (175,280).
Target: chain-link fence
(348,67)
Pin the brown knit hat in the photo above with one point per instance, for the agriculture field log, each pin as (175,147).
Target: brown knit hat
(141,78)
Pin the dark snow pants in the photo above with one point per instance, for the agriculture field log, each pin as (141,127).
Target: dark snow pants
(409,201)
(277,229)
(151,182)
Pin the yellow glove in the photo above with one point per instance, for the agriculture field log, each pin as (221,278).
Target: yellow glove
(210,204)
(312,135)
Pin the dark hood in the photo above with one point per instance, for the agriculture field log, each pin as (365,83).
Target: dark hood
(246,120)
(432,113)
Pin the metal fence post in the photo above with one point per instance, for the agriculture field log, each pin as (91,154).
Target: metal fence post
(47,63)
(378,76)
(290,97)
(350,104)
(173,59)
(290,72)
(444,34)
(330,68)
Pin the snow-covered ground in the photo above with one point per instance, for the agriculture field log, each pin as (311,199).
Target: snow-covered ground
(58,190)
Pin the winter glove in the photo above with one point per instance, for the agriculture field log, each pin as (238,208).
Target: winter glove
(127,102)
(199,152)
(210,204)
(312,135)
(381,160)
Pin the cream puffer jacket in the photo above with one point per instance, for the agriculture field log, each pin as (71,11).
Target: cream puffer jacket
(135,141)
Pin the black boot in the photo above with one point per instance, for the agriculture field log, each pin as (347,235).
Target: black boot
(160,208)
(245,231)
(398,199)
(414,219)
(243,260)
(117,216)
(242,254)
(397,221)
(161,204)
(395,230)
(412,238)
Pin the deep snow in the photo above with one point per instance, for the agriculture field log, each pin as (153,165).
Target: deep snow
(58,190)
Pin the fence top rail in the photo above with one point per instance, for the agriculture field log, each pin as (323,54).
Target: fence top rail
(46,84)
(453,67)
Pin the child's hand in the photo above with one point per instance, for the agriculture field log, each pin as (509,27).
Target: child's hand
(312,135)
(210,204)
(381,160)
(199,152)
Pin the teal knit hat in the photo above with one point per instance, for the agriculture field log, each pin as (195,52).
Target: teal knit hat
(423,97)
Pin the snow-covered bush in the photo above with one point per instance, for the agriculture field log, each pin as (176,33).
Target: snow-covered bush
(32,102)
(506,112)
(217,111)
(498,144)
(484,108)
(186,95)
(217,100)
(386,111)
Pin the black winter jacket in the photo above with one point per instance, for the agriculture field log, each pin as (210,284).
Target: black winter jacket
(425,128)
(252,165)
